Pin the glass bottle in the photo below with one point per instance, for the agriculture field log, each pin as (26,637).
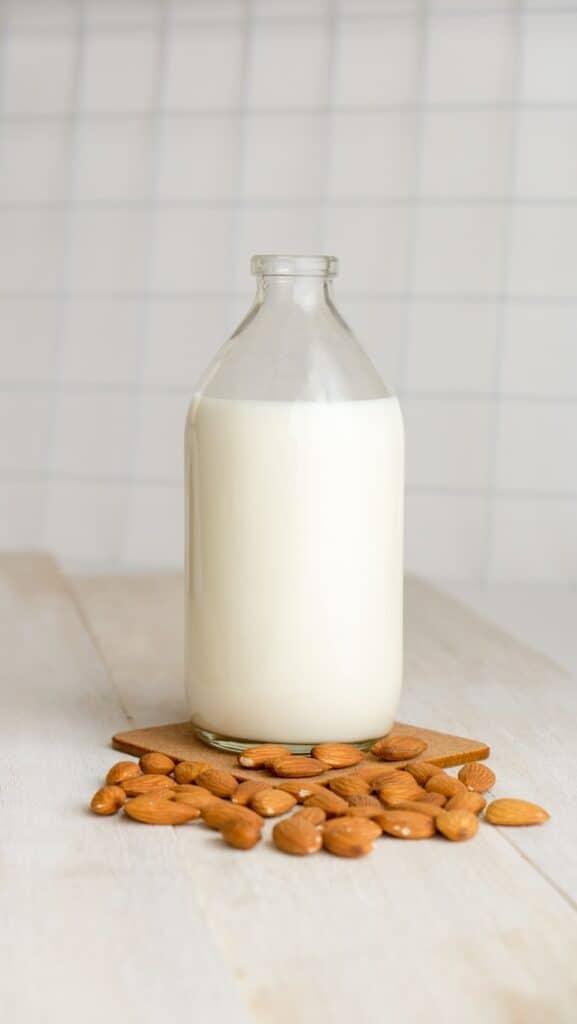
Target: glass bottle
(294,521)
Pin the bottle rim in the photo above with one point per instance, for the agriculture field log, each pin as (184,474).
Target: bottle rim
(294,266)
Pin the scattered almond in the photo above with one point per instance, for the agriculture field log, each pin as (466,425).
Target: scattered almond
(364,806)
(159,812)
(221,814)
(122,770)
(444,784)
(272,802)
(315,815)
(194,796)
(419,807)
(349,785)
(343,843)
(509,811)
(297,836)
(402,786)
(404,824)
(329,802)
(371,770)
(295,766)
(145,783)
(422,771)
(188,771)
(467,801)
(156,764)
(477,776)
(337,755)
(108,800)
(217,781)
(457,825)
(360,828)
(398,748)
(300,790)
(384,776)
(437,799)
(242,835)
(245,791)
(262,756)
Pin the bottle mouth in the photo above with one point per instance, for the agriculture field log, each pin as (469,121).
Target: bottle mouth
(294,266)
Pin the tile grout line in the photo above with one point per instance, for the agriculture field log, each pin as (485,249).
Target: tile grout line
(67,246)
(247,46)
(163,35)
(501,311)
(422,30)
(332,28)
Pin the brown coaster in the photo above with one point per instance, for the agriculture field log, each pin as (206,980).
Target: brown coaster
(180,742)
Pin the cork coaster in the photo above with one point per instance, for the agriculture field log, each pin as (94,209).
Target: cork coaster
(180,742)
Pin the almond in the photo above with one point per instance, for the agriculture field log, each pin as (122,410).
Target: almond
(398,748)
(242,835)
(156,764)
(418,807)
(349,785)
(343,843)
(364,806)
(145,783)
(422,771)
(515,812)
(477,777)
(315,815)
(245,791)
(297,836)
(328,802)
(360,828)
(406,824)
(444,784)
(194,796)
(383,778)
(300,790)
(108,800)
(337,755)
(371,770)
(122,770)
(221,814)
(402,786)
(188,771)
(437,799)
(297,767)
(271,802)
(159,812)
(467,801)
(457,825)
(262,756)
(217,781)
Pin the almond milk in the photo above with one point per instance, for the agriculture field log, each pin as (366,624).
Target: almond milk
(294,591)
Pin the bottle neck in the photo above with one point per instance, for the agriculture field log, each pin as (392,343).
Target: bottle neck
(307,293)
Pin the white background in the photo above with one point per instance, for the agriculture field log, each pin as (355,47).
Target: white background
(148,148)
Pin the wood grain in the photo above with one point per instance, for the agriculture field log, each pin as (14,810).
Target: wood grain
(99,921)
(178,740)
(483,931)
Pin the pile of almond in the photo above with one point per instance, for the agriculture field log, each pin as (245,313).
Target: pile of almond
(343,815)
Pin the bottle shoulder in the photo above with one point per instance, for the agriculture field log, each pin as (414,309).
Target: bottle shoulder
(290,356)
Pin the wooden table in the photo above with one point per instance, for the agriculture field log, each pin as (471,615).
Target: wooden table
(104,920)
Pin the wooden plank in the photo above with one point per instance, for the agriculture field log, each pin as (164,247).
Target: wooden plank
(97,922)
(178,740)
(484,930)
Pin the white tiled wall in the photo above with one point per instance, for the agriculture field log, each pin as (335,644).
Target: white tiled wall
(148,147)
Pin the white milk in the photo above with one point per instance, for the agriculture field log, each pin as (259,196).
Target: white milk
(294,618)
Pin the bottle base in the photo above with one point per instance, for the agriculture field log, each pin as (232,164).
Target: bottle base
(233,745)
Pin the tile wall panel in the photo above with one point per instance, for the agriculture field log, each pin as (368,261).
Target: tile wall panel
(149,147)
